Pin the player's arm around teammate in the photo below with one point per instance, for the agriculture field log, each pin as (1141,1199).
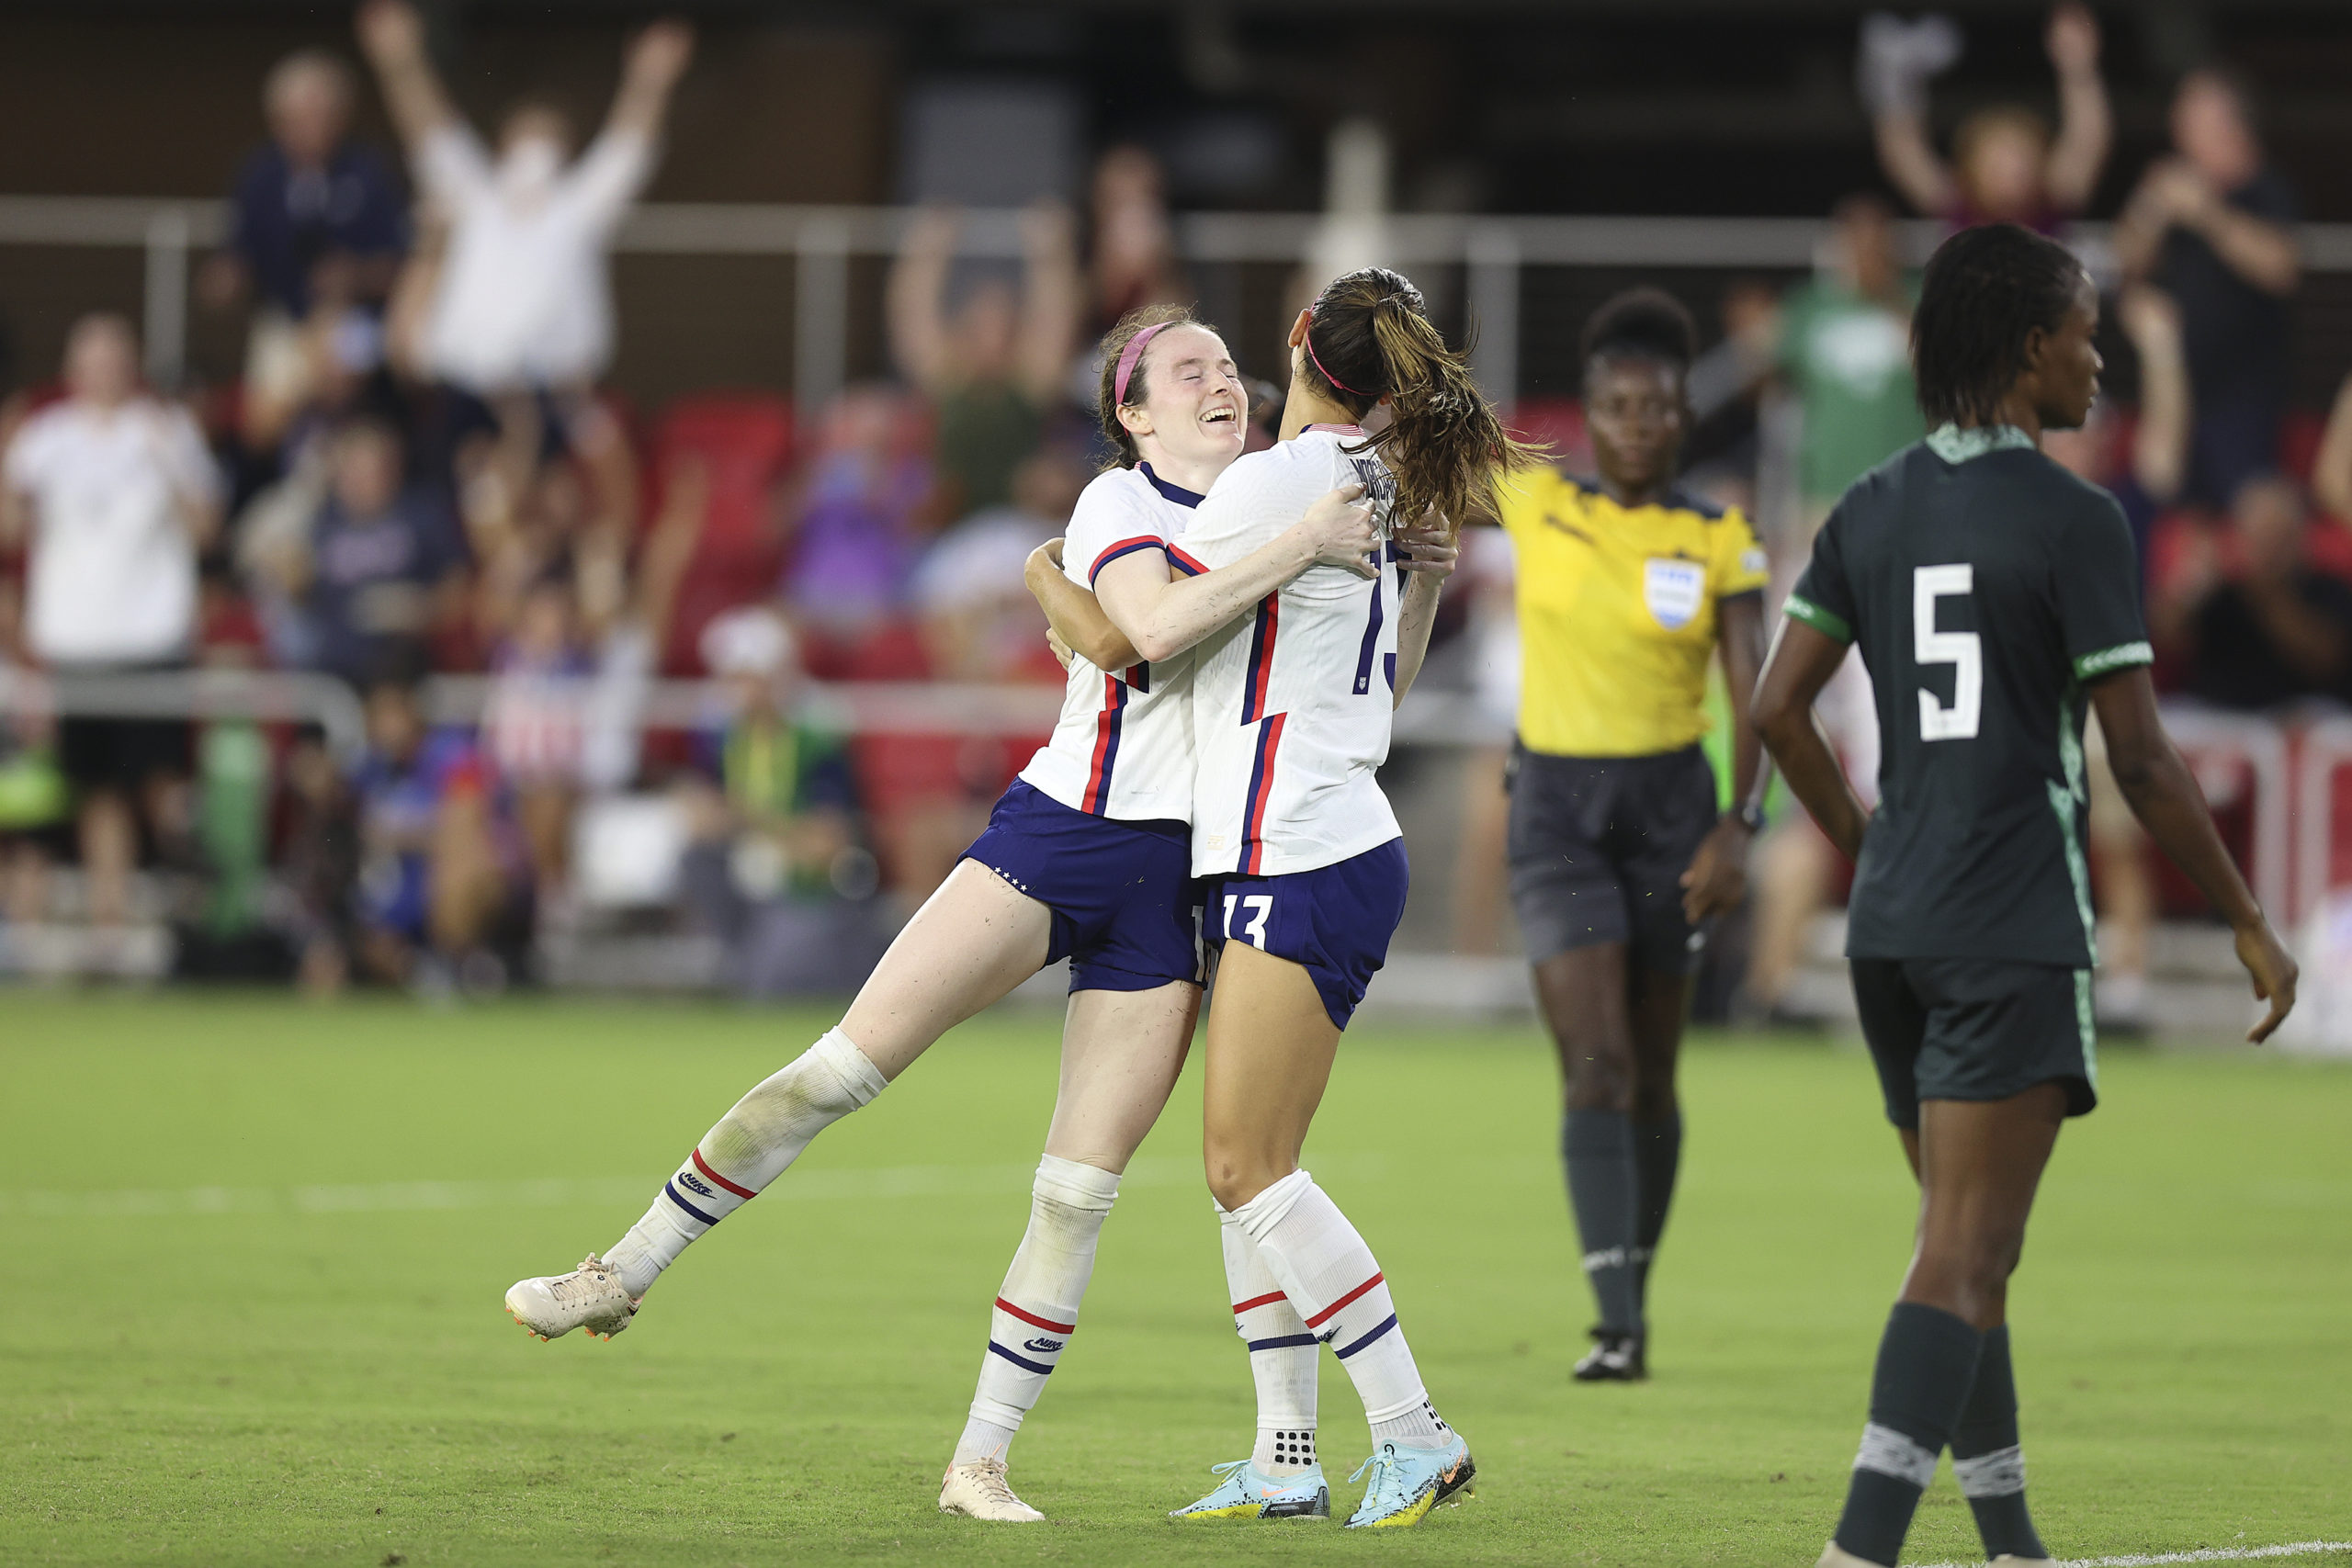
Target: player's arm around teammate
(1087,855)
(1628,588)
(1991,593)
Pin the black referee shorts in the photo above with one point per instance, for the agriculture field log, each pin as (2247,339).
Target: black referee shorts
(1598,848)
(1975,1029)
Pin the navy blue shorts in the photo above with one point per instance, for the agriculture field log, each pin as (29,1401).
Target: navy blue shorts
(1335,920)
(1126,909)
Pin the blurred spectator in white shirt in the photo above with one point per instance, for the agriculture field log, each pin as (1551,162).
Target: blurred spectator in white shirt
(115,493)
(522,299)
(978,620)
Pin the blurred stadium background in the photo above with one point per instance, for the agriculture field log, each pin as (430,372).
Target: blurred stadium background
(686,652)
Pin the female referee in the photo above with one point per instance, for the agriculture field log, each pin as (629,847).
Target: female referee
(1993,597)
(1086,855)
(1626,588)
(1291,720)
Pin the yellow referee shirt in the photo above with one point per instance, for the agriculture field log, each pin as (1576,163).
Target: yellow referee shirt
(1617,613)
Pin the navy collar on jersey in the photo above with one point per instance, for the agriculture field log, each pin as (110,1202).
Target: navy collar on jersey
(1176,493)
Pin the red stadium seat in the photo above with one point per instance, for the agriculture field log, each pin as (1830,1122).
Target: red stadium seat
(746,439)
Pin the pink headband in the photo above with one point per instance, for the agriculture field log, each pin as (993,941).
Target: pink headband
(1127,357)
(1327,373)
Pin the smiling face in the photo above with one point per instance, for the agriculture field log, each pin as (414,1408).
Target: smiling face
(1638,416)
(2063,367)
(1193,412)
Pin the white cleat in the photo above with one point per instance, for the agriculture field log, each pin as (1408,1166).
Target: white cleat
(590,1297)
(1836,1556)
(979,1490)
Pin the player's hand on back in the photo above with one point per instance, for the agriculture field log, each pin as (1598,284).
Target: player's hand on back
(1429,548)
(2274,973)
(1339,526)
(1062,651)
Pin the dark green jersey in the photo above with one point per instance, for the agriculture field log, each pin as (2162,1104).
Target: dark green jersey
(1984,585)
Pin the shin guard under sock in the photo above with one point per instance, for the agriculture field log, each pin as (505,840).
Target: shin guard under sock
(1927,1363)
(1986,1459)
(1337,1289)
(1658,1158)
(1598,1147)
(1036,1310)
(1282,1355)
(748,1147)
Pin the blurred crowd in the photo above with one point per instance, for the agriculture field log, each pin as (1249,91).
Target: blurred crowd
(418,489)
(418,478)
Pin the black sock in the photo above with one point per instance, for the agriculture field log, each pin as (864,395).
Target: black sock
(1985,1457)
(1927,1363)
(1657,1156)
(1598,1148)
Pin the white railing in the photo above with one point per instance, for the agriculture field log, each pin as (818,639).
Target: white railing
(821,241)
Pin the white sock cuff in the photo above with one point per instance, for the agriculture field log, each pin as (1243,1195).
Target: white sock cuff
(854,1067)
(1996,1474)
(1268,1209)
(1076,1184)
(1889,1453)
(1405,1406)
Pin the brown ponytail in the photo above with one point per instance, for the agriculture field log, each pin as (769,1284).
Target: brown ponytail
(1368,336)
(1107,401)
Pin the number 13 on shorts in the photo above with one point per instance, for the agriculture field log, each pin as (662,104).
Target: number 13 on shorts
(1254,909)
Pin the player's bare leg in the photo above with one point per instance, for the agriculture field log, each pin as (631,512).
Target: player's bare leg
(971,944)
(1121,1053)
(1979,1164)
(1271,1044)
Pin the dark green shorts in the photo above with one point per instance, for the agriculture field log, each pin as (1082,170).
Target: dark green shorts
(1975,1029)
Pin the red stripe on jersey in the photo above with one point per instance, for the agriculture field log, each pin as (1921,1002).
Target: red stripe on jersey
(1184,563)
(1262,658)
(1123,547)
(1261,789)
(1106,745)
(1240,1307)
(1034,1320)
(703,1166)
(1316,1321)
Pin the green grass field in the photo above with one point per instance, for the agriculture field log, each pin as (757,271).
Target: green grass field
(255,1251)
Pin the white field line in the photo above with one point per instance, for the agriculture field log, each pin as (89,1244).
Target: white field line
(2210,1554)
(421,1197)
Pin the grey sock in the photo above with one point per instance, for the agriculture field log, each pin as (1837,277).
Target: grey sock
(1597,1146)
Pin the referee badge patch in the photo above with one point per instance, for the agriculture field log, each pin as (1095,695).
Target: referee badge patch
(1674,589)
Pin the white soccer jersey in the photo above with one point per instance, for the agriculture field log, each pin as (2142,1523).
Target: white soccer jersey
(1292,706)
(1123,747)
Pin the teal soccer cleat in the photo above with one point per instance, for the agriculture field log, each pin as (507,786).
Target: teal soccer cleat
(1248,1492)
(1407,1483)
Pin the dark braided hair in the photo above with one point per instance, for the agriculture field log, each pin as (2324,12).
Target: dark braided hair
(1369,335)
(1986,289)
(1642,323)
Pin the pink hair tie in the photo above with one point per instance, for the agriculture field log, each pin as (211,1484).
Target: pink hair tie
(1127,357)
(1327,373)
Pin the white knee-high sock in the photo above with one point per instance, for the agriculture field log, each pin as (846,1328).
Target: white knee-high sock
(1329,1276)
(750,1147)
(1036,1310)
(1282,1355)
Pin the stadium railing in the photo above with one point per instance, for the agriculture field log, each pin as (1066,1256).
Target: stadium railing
(821,242)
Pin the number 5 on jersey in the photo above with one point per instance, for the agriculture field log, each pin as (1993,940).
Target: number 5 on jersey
(1964,651)
(1255,908)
